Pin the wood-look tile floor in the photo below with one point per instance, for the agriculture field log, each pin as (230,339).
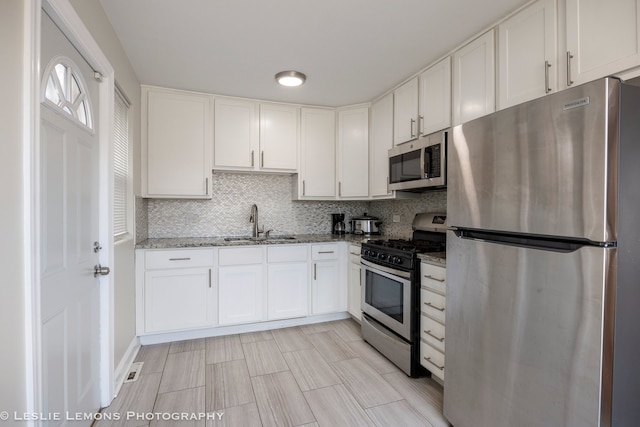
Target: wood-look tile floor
(314,375)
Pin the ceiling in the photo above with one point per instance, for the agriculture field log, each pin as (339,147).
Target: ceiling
(351,50)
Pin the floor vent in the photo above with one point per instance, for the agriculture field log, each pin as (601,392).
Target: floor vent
(134,372)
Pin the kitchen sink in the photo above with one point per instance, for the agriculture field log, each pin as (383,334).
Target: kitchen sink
(260,239)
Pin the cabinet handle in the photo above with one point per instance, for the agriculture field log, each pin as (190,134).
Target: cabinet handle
(388,185)
(434,278)
(428,359)
(262,159)
(420,125)
(413,122)
(251,158)
(434,306)
(547,89)
(569,58)
(206,184)
(179,259)
(314,271)
(339,188)
(326,252)
(209,278)
(434,336)
(303,188)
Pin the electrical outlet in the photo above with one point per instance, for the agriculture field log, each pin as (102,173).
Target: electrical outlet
(396,218)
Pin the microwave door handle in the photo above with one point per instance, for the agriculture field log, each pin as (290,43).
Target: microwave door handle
(427,163)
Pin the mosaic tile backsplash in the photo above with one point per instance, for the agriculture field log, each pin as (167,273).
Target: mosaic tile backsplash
(227,213)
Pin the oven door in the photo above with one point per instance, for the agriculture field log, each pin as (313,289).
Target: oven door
(386,297)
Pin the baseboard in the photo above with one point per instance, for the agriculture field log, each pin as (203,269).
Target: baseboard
(238,329)
(125,363)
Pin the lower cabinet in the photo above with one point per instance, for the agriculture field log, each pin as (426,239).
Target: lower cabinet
(240,285)
(287,282)
(328,292)
(354,285)
(432,319)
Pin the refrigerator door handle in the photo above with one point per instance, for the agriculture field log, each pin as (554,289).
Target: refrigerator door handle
(547,243)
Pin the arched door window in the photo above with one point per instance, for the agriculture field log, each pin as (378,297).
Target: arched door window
(65,91)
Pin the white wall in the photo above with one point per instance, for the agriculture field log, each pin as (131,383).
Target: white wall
(94,18)
(13,376)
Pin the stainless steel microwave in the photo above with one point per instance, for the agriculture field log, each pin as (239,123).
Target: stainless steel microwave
(419,165)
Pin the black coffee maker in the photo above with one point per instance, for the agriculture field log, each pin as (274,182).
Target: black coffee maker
(337,224)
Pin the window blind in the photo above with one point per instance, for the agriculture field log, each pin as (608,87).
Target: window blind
(120,165)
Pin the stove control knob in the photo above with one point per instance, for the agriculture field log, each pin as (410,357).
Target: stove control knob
(383,257)
(372,254)
(396,260)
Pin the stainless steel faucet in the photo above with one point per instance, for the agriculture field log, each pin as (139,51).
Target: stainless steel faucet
(254,219)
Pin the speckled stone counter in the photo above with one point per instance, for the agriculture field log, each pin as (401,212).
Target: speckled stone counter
(437,258)
(202,242)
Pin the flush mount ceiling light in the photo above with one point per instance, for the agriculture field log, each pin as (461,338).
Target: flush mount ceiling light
(290,78)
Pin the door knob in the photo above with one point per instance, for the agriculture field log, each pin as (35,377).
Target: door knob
(100,271)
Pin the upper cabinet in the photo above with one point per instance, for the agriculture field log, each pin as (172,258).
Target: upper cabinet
(380,142)
(603,38)
(177,140)
(474,79)
(353,153)
(253,136)
(527,52)
(317,175)
(435,98)
(423,104)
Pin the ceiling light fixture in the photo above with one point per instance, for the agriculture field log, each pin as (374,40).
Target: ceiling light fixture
(290,78)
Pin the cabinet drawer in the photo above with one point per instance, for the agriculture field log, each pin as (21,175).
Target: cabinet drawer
(433,277)
(320,252)
(432,332)
(433,305)
(287,253)
(354,250)
(179,258)
(432,359)
(240,256)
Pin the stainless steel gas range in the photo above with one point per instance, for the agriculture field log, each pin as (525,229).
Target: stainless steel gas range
(391,291)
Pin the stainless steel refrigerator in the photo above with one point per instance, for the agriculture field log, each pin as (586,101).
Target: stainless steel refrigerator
(543,268)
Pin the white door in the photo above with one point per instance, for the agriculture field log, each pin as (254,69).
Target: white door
(70,294)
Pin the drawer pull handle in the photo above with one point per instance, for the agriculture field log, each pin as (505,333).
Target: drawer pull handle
(179,259)
(433,278)
(325,252)
(428,359)
(434,336)
(434,306)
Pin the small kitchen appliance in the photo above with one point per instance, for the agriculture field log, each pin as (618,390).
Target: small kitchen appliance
(390,298)
(337,224)
(365,224)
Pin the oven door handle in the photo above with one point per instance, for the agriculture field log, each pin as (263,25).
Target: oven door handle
(393,271)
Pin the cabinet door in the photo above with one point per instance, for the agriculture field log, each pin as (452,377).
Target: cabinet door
(354,287)
(474,79)
(318,154)
(279,137)
(177,299)
(603,37)
(405,112)
(528,55)
(235,134)
(435,98)
(379,144)
(240,294)
(327,295)
(178,144)
(353,153)
(287,290)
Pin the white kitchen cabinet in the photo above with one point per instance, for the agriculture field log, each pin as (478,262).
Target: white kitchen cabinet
(241,285)
(279,137)
(435,98)
(528,54)
(354,277)
(177,141)
(474,79)
(317,173)
(380,142)
(353,153)
(603,38)
(328,289)
(432,319)
(405,112)
(236,134)
(287,281)
(177,290)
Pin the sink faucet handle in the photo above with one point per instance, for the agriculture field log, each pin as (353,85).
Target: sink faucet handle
(267,233)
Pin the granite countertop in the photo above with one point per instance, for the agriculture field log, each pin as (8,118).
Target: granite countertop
(437,258)
(203,242)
